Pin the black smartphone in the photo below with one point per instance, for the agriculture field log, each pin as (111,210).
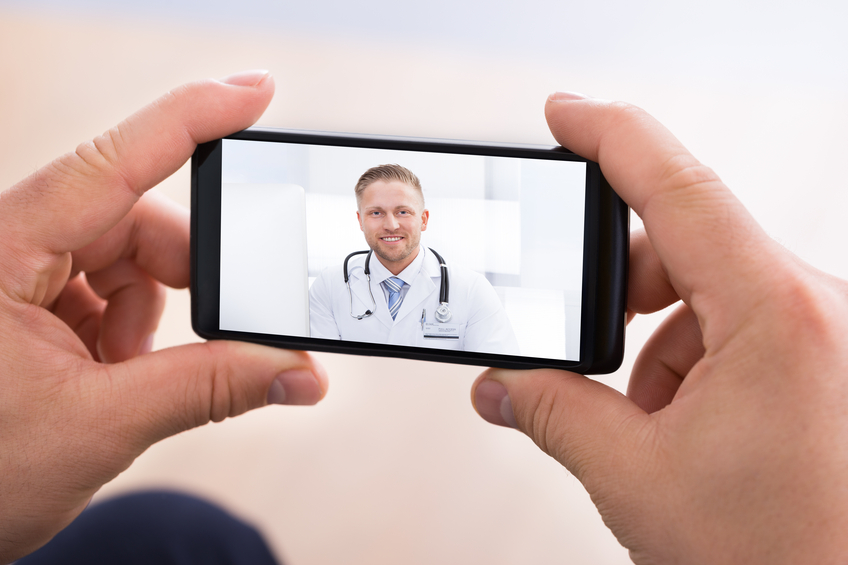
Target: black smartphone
(488,254)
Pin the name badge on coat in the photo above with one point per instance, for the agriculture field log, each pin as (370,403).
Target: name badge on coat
(441,331)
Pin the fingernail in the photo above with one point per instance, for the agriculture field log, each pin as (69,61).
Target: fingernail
(295,387)
(147,346)
(321,373)
(493,404)
(558,96)
(246,78)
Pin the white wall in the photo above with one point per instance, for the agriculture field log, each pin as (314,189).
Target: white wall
(263,259)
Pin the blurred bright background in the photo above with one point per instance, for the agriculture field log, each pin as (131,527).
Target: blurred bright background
(394,466)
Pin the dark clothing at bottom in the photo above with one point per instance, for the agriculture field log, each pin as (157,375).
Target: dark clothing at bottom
(161,528)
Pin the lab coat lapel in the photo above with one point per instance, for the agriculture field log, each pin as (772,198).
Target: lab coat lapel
(359,288)
(420,289)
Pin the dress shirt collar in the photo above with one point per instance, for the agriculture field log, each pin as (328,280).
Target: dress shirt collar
(379,272)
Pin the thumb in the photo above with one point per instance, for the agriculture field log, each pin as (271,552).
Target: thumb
(160,394)
(590,428)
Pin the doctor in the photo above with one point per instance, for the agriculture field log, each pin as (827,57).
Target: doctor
(401,304)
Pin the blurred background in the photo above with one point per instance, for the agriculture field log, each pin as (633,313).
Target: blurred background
(394,466)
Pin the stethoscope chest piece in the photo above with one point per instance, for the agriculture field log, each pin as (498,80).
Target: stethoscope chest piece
(443,313)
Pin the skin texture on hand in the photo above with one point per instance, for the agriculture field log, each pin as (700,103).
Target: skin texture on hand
(84,252)
(731,445)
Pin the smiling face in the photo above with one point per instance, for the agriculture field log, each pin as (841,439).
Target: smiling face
(392,216)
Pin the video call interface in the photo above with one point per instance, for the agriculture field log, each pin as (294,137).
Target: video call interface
(509,230)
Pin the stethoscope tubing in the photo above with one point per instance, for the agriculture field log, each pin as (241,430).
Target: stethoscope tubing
(368,281)
(442,313)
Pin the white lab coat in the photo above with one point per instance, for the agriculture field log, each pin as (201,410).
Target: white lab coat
(474,304)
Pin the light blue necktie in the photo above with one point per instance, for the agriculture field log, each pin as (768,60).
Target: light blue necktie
(393,285)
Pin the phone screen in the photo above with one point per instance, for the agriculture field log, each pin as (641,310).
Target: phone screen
(509,230)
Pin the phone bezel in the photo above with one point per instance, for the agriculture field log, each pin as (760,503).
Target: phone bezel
(605,252)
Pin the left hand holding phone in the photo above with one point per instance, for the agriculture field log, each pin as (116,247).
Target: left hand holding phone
(84,253)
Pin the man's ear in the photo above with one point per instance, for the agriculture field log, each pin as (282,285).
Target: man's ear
(359,219)
(425,217)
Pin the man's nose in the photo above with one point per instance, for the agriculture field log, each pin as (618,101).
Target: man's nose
(391,222)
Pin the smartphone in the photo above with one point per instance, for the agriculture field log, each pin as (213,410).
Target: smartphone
(500,255)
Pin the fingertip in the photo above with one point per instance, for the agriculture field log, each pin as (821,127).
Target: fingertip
(251,78)
(567,96)
(580,422)
(565,112)
(147,345)
(269,84)
(179,388)
(305,384)
(295,388)
(482,377)
(258,83)
(321,376)
(490,397)
(492,402)
(232,103)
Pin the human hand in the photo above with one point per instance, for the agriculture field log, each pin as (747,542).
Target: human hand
(731,445)
(83,256)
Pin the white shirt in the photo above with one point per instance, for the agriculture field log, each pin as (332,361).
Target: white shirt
(476,310)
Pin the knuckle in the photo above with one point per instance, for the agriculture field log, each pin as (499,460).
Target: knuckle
(542,411)
(683,183)
(816,310)
(127,414)
(803,314)
(182,95)
(625,111)
(101,159)
(570,434)
(549,428)
(221,396)
(627,115)
(187,90)
(682,170)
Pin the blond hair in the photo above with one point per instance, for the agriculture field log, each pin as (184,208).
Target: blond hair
(387,173)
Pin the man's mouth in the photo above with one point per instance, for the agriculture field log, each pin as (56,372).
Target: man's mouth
(391,238)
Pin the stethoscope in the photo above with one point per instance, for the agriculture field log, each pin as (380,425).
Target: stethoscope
(443,313)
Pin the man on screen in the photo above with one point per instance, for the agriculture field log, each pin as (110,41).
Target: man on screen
(405,302)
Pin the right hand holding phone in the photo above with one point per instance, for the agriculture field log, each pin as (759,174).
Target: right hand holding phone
(731,445)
